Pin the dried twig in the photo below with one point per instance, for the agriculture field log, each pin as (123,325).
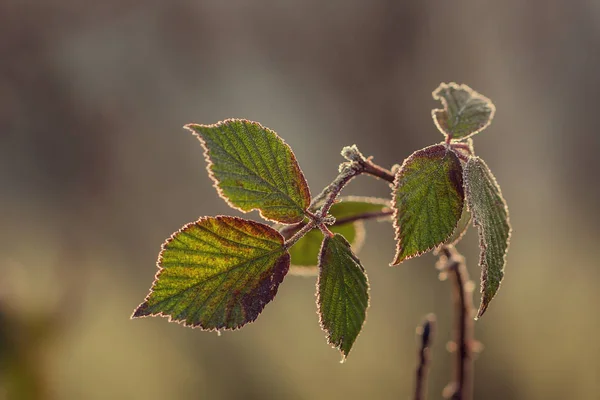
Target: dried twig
(453,263)
(425,332)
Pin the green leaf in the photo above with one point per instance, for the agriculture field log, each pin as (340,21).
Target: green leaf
(461,227)
(428,200)
(254,169)
(305,252)
(352,206)
(342,293)
(490,216)
(217,273)
(465,111)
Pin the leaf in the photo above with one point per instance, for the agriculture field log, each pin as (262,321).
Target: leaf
(305,252)
(461,227)
(254,169)
(342,293)
(465,111)
(217,273)
(490,216)
(428,200)
(351,206)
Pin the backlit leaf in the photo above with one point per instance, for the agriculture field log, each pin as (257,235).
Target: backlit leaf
(351,206)
(461,227)
(465,111)
(490,216)
(217,273)
(342,293)
(305,252)
(254,169)
(428,200)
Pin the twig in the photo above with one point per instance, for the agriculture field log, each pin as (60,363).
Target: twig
(368,215)
(294,237)
(452,262)
(425,332)
(321,204)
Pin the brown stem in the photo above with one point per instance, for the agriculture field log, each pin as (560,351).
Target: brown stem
(293,238)
(321,204)
(377,171)
(462,146)
(425,332)
(368,215)
(453,263)
(290,230)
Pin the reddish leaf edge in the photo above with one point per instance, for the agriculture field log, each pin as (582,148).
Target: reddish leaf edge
(139,310)
(209,164)
(397,258)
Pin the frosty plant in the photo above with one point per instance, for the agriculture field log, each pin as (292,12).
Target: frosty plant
(220,272)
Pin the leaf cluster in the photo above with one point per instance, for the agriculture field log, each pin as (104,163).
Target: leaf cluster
(220,272)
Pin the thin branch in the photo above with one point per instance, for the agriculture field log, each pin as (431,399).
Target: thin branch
(368,215)
(348,171)
(462,146)
(321,204)
(358,164)
(290,230)
(453,263)
(425,332)
(298,234)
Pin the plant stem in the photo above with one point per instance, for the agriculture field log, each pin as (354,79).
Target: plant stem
(299,233)
(368,215)
(290,230)
(462,146)
(425,332)
(453,263)
(358,164)
(321,204)
(376,170)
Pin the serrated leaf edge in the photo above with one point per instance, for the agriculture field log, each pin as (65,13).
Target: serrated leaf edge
(436,95)
(209,164)
(160,268)
(318,300)
(397,259)
(480,230)
(356,246)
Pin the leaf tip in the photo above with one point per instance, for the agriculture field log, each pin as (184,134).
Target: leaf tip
(482,309)
(141,311)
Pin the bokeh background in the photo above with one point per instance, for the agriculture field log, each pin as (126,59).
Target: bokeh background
(96,171)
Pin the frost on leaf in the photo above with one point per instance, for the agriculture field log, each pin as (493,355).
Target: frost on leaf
(254,169)
(342,293)
(428,199)
(465,111)
(217,273)
(490,216)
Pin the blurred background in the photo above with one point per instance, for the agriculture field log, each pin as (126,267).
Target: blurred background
(96,171)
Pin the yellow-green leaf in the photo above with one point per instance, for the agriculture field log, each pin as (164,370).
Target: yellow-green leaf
(490,216)
(465,111)
(217,273)
(342,293)
(254,169)
(428,200)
